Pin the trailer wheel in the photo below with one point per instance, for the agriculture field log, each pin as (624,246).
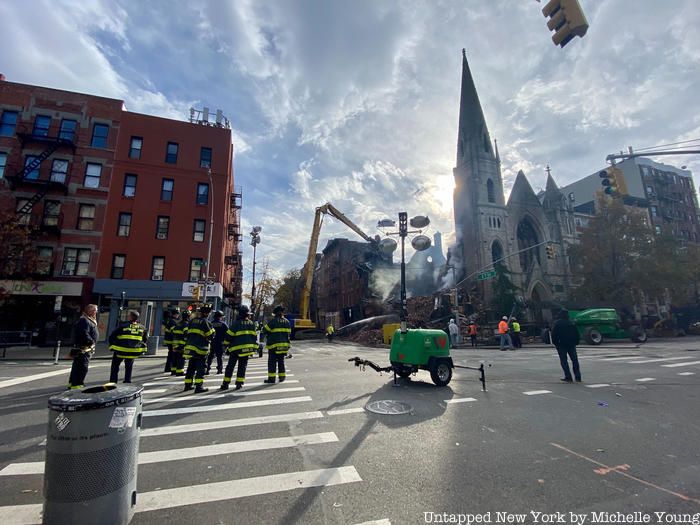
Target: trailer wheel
(593,336)
(441,372)
(637,334)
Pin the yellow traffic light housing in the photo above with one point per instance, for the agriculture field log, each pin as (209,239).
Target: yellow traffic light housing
(566,19)
(613,181)
(196,292)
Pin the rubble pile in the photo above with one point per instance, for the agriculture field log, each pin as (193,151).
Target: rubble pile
(420,310)
(368,337)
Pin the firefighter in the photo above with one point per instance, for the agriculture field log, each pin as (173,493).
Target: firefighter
(241,342)
(217,344)
(128,342)
(197,339)
(179,332)
(277,332)
(170,323)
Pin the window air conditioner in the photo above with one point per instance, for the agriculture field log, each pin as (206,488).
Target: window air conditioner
(157,278)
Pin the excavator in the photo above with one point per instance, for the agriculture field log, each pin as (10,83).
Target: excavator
(304,323)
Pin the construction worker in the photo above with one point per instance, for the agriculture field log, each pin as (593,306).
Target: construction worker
(241,342)
(517,343)
(169,339)
(217,344)
(128,342)
(329,333)
(277,333)
(473,331)
(503,330)
(197,339)
(179,332)
(85,336)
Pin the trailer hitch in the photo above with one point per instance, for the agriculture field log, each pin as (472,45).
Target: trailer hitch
(482,375)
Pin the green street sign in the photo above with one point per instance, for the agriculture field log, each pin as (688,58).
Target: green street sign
(486,275)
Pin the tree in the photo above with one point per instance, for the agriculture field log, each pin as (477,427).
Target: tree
(288,291)
(18,256)
(265,290)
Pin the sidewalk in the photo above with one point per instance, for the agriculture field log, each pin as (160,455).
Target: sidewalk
(35,353)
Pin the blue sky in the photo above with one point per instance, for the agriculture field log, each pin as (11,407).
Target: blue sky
(356,102)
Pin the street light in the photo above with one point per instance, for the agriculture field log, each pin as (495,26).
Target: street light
(211,234)
(254,241)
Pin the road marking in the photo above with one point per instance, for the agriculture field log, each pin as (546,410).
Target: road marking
(155,390)
(177,454)
(686,373)
(227,394)
(599,385)
(225,406)
(660,359)
(537,392)
(214,425)
(674,365)
(209,492)
(645,379)
(36,377)
(460,400)
(210,378)
(606,359)
(342,411)
(375,522)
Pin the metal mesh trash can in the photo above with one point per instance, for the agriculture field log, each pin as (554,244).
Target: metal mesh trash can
(92,451)
(152,345)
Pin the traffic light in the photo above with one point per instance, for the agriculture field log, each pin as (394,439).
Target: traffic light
(613,181)
(196,291)
(551,254)
(566,19)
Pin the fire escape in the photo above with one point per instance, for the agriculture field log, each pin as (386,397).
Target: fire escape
(235,259)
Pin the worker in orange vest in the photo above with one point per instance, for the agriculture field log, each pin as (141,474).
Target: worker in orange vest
(503,330)
(473,330)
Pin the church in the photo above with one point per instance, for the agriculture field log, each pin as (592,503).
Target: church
(518,231)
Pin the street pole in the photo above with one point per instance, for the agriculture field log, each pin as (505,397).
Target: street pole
(211,234)
(254,241)
(403,232)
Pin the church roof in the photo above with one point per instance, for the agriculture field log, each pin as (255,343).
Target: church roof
(522,193)
(552,195)
(472,125)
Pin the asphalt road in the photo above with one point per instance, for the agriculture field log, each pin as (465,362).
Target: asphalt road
(306,451)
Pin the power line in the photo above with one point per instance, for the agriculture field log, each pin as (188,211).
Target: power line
(665,145)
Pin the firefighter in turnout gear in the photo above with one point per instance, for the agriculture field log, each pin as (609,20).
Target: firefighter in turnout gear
(217,344)
(241,343)
(127,342)
(169,339)
(197,339)
(179,332)
(277,332)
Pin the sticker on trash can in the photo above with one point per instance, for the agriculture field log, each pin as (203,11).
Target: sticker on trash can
(61,422)
(122,417)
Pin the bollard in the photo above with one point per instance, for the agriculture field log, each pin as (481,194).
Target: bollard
(92,450)
(57,352)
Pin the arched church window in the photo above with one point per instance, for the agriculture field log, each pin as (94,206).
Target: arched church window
(496,251)
(498,221)
(490,222)
(527,238)
(490,191)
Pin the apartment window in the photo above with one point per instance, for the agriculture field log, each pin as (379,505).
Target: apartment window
(99,135)
(67,131)
(44,260)
(157,268)
(166,189)
(654,211)
(171,153)
(86,217)
(129,185)
(196,269)
(32,173)
(657,229)
(162,226)
(3,163)
(8,122)
(124,225)
(135,148)
(199,227)
(25,217)
(52,213)
(92,175)
(118,262)
(41,126)
(205,158)
(59,170)
(202,193)
(76,261)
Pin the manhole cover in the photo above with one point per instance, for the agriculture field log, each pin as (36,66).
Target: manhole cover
(389,407)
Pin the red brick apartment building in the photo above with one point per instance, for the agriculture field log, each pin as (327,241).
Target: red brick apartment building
(118,205)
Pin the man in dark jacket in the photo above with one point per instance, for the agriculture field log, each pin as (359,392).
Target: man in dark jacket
(277,333)
(241,342)
(85,337)
(565,337)
(217,344)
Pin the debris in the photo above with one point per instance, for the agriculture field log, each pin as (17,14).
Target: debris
(540,481)
(336,505)
(602,404)
(26,491)
(457,444)
(600,450)
(618,394)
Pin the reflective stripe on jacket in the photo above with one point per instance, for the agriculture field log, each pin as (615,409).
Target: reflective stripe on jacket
(128,340)
(277,332)
(168,336)
(179,332)
(198,336)
(242,338)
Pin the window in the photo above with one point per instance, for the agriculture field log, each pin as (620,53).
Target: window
(52,213)
(654,211)
(86,217)
(196,269)
(199,228)
(3,163)
(118,262)
(99,135)
(25,217)
(205,158)
(657,229)
(44,260)
(202,193)
(41,126)
(135,148)
(67,131)
(8,123)
(31,167)
(76,261)
(129,185)
(157,268)
(124,225)
(171,153)
(491,194)
(162,226)
(59,170)
(92,175)
(166,190)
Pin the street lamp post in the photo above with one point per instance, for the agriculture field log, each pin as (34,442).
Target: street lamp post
(254,241)
(211,234)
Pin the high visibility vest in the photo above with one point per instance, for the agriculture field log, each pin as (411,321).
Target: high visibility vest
(330,330)
(516,326)
(278,331)
(502,327)
(198,336)
(473,329)
(242,338)
(128,341)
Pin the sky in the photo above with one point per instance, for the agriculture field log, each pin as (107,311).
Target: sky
(356,102)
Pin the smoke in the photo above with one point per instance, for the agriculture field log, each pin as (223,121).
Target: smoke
(383,281)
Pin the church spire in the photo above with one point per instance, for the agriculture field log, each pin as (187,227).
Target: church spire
(473,135)
(495,144)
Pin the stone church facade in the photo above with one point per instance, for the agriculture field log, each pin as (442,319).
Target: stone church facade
(488,228)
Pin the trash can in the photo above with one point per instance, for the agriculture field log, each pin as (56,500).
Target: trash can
(152,345)
(92,448)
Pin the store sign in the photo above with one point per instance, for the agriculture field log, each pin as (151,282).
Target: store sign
(213,290)
(41,288)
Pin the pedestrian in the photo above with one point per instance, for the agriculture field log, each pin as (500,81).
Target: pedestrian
(277,333)
(197,340)
(217,344)
(565,337)
(330,331)
(85,336)
(128,342)
(473,332)
(503,332)
(169,339)
(453,329)
(517,342)
(241,342)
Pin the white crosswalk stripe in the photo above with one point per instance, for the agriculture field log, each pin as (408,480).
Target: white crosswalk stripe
(675,365)
(264,391)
